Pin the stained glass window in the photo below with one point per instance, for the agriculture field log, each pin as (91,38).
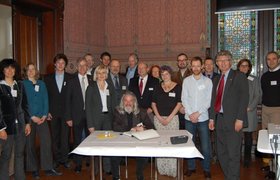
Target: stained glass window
(277,30)
(237,32)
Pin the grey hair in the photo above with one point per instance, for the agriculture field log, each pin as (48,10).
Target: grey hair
(135,110)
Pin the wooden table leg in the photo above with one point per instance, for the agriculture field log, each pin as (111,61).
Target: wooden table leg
(180,172)
(100,168)
(92,168)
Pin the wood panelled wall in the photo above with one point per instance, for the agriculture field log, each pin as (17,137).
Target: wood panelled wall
(157,30)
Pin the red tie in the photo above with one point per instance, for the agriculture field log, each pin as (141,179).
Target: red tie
(218,102)
(141,86)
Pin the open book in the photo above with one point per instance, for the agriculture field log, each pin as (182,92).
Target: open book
(142,135)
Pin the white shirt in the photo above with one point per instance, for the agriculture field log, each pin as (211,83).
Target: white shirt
(145,79)
(196,96)
(103,95)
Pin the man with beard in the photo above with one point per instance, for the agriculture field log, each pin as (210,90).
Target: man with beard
(196,98)
(184,71)
(127,117)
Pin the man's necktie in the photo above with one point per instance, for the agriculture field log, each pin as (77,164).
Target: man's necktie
(141,86)
(218,102)
(83,85)
(117,85)
(209,76)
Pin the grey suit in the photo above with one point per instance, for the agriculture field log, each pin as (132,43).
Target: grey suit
(234,103)
(121,90)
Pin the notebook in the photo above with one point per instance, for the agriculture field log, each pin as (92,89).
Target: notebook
(143,135)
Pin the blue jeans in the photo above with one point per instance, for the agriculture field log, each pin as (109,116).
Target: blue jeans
(205,146)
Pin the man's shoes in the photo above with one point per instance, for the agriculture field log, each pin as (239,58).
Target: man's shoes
(189,172)
(78,169)
(53,172)
(35,175)
(265,168)
(108,173)
(115,178)
(140,177)
(207,174)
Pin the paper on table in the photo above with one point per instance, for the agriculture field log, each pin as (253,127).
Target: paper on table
(142,135)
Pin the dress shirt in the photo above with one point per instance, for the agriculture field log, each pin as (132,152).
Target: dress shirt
(276,69)
(196,96)
(59,80)
(130,73)
(144,83)
(103,95)
(86,80)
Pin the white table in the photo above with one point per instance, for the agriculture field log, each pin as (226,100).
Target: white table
(265,147)
(120,145)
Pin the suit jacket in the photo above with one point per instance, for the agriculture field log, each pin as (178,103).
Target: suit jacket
(94,105)
(255,94)
(213,76)
(235,98)
(144,100)
(135,73)
(178,78)
(123,86)
(13,108)
(74,100)
(57,99)
(120,122)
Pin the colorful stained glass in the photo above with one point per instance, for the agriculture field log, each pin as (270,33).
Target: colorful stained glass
(277,30)
(237,32)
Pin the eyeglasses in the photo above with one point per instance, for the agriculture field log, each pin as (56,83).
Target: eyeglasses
(222,61)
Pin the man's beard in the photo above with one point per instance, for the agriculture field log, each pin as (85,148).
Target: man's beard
(128,109)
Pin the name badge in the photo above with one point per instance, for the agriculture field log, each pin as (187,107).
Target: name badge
(171,94)
(151,89)
(107,92)
(200,87)
(64,84)
(273,83)
(14,93)
(36,88)
(123,87)
(250,78)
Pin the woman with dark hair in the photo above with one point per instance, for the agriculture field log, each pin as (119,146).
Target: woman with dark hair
(155,72)
(166,117)
(37,97)
(245,66)
(15,119)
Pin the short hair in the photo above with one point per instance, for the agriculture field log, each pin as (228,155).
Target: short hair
(197,58)
(88,54)
(166,68)
(249,63)
(105,54)
(80,59)
(135,56)
(25,70)
(121,108)
(224,53)
(98,69)
(9,62)
(272,52)
(60,56)
(182,54)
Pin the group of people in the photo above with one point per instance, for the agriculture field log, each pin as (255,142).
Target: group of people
(194,98)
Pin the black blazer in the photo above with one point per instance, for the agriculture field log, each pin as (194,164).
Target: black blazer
(57,99)
(144,100)
(123,86)
(74,100)
(94,106)
(120,122)
(14,108)
(235,98)
(135,73)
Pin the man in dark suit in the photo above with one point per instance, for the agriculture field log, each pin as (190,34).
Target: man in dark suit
(127,117)
(143,87)
(183,63)
(118,81)
(228,114)
(209,68)
(56,85)
(131,70)
(75,106)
